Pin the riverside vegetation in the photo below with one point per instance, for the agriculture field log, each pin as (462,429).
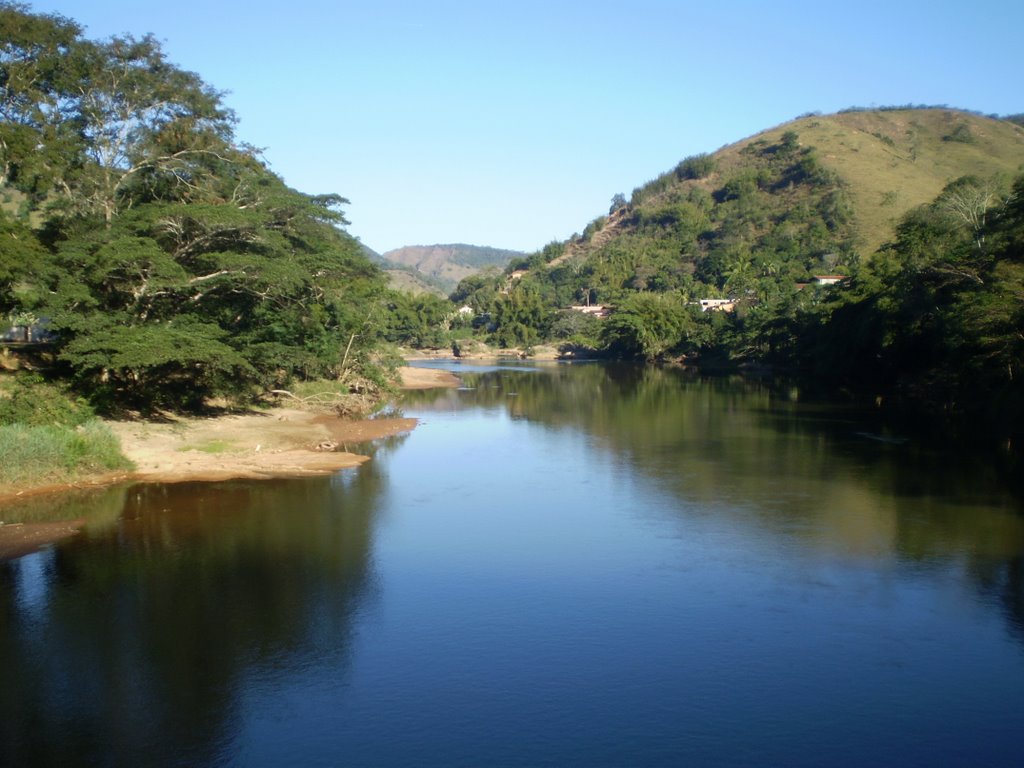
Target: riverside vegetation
(919,210)
(170,267)
(165,262)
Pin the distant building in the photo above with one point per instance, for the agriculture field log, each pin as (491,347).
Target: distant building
(828,279)
(717,305)
(34,333)
(597,310)
(16,334)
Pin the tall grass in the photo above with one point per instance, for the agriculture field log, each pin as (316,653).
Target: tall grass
(40,454)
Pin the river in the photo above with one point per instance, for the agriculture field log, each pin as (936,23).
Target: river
(562,565)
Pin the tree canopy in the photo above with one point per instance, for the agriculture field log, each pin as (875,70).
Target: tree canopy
(171,263)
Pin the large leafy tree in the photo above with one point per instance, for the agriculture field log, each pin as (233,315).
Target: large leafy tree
(36,87)
(171,262)
(421,320)
(519,317)
(938,316)
(84,120)
(146,126)
(651,325)
(236,292)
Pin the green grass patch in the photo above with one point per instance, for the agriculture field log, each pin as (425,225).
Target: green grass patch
(34,455)
(877,151)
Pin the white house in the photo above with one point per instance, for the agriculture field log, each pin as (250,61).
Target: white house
(597,310)
(828,279)
(717,305)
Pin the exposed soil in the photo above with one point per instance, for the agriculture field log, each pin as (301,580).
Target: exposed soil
(427,378)
(282,442)
(24,538)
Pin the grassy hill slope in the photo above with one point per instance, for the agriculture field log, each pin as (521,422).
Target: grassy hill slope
(886,161)
(405,278)
(895,160)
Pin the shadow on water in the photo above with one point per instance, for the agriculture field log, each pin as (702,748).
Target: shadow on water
(136,640)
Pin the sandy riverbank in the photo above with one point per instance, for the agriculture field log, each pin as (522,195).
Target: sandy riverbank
(281,442)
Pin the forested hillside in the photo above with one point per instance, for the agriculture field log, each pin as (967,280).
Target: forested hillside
(819,194)
(874,251)
(165,262)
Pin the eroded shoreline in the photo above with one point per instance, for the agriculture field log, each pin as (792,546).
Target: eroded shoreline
(281,442)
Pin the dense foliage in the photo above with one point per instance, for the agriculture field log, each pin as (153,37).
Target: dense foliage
(168,264)
(692,233)
(935,318)
(168,261)
(938,316)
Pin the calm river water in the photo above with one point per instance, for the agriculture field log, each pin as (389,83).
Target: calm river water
(563,565)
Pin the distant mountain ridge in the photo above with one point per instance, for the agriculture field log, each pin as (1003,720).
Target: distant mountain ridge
(404,278)
(445,265)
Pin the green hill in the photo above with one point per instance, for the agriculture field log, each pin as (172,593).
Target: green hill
(807,196)
(895,160)
(875,253)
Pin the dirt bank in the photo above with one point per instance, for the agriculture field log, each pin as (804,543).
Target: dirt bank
(23,539)
(281,442)
(277,443)
(426,378)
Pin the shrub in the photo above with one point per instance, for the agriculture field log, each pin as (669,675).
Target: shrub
(696,167)
(961,134)
(594,227)
(28,399)
(37,454)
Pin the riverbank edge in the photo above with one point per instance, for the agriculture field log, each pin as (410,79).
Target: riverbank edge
(278,443)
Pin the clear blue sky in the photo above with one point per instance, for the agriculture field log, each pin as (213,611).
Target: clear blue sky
(513,123)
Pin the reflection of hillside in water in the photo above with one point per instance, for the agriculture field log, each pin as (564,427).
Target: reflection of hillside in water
(141,637)
(830,478)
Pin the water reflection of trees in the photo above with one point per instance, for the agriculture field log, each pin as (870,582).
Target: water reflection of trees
(142,636)
(94,508)
(1003,580)
(839,479)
